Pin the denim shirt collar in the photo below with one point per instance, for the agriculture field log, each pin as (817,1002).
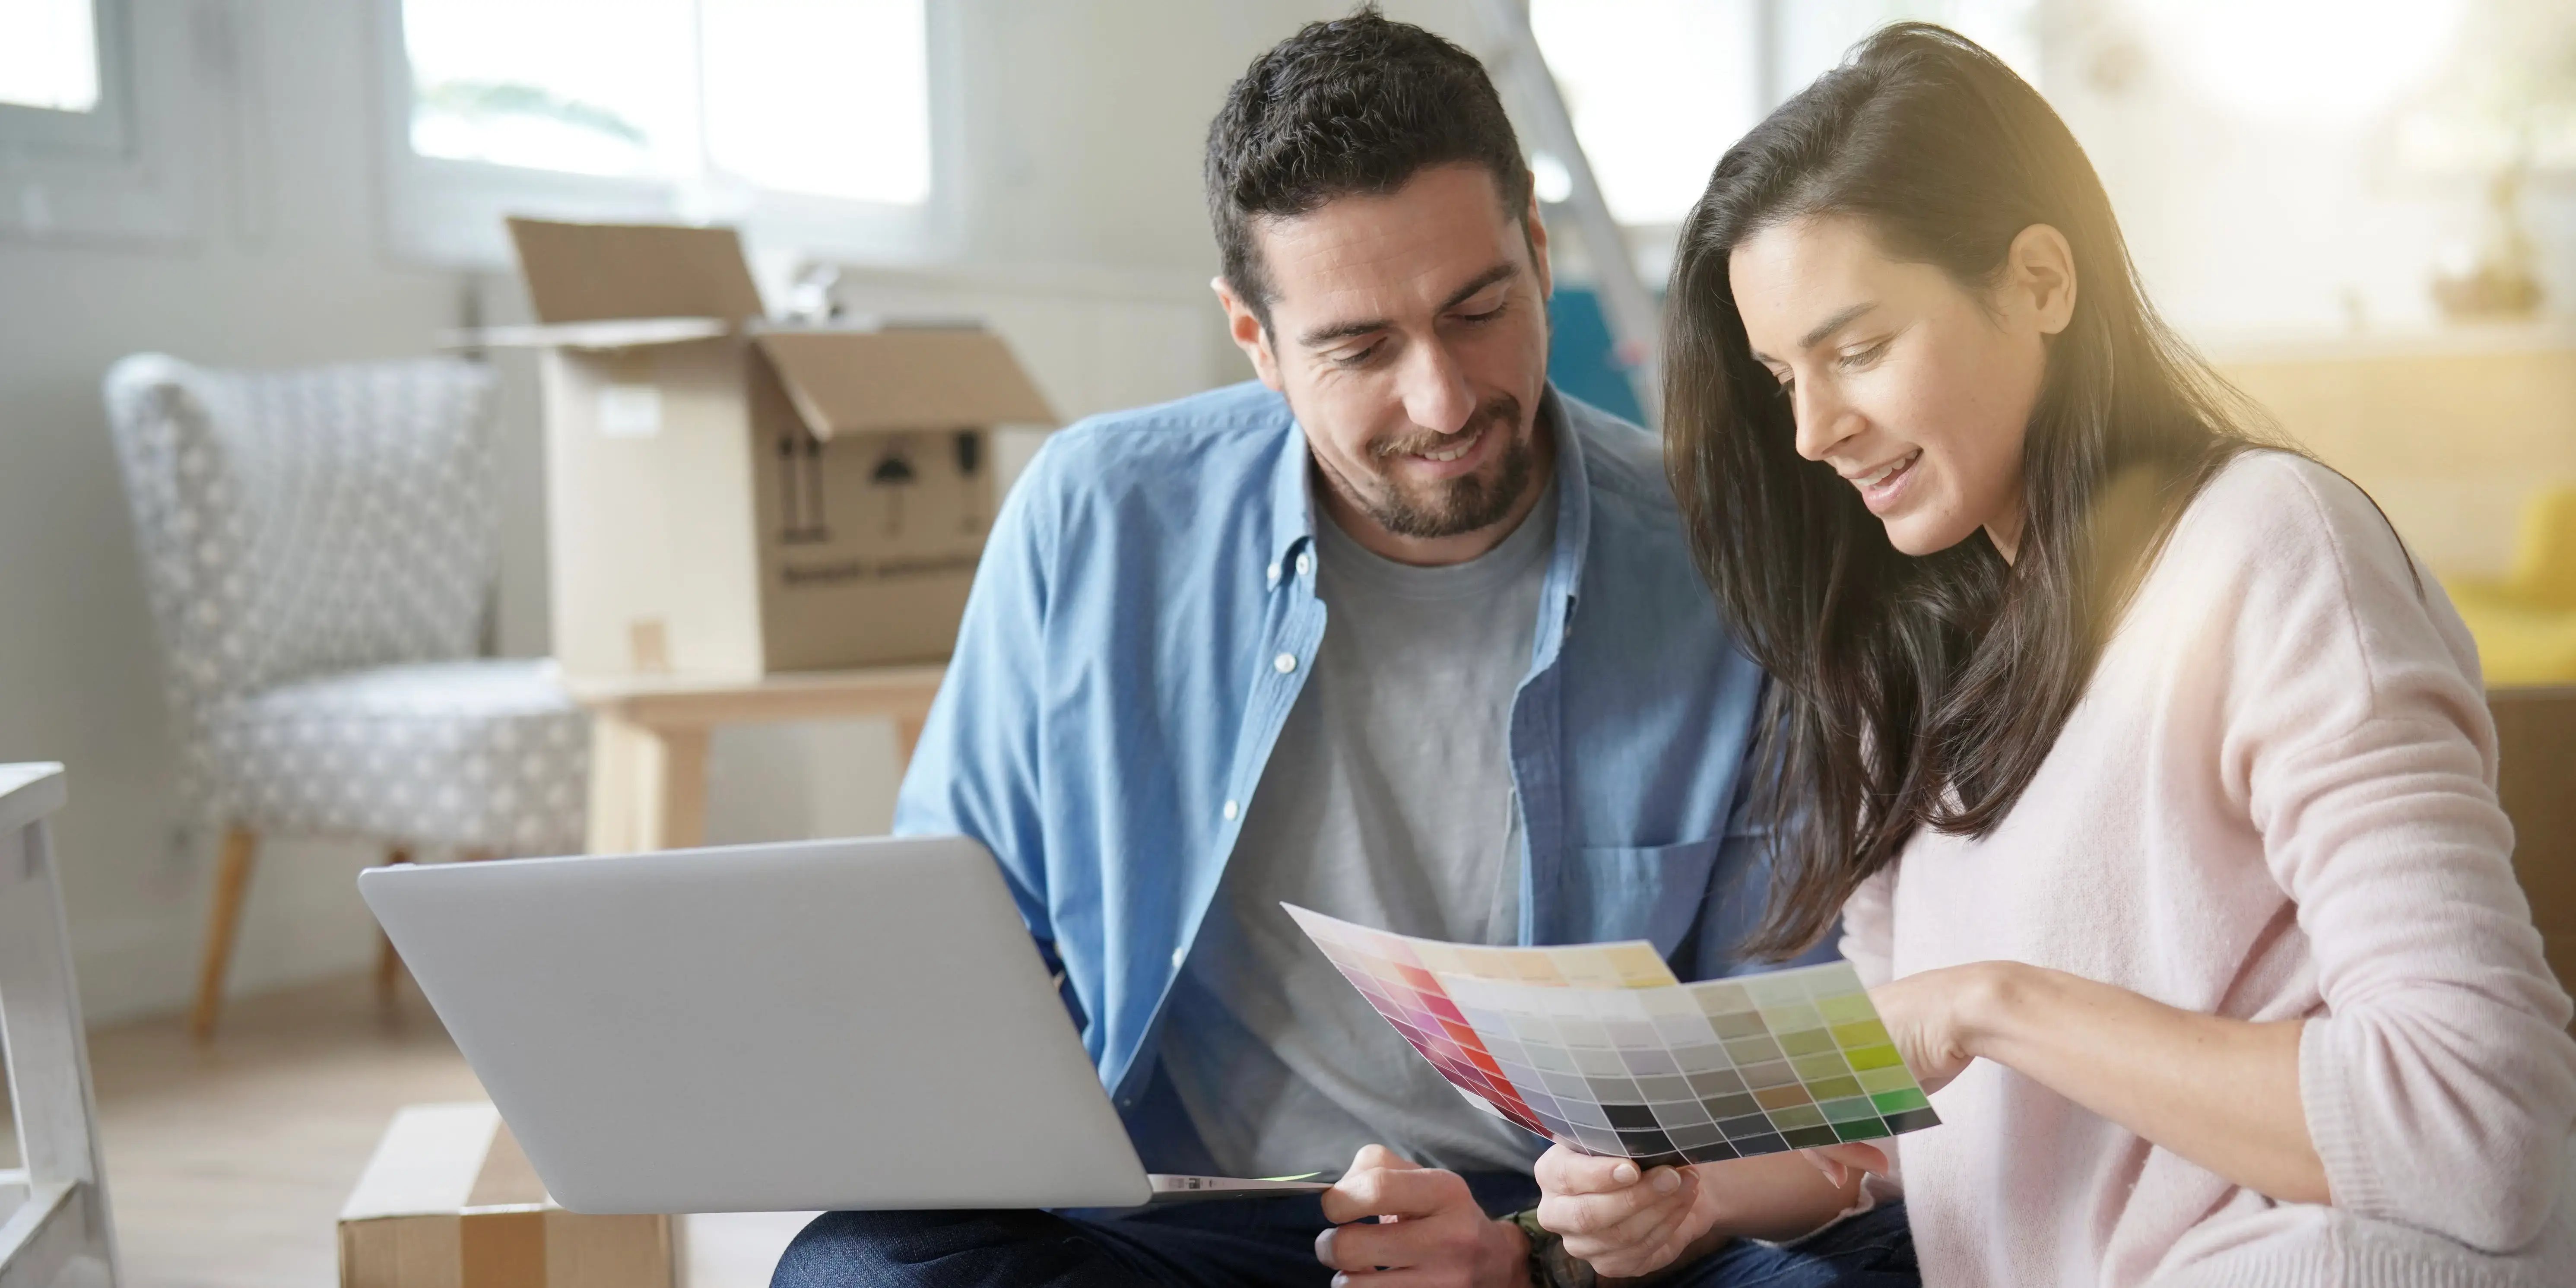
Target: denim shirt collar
(1292,519)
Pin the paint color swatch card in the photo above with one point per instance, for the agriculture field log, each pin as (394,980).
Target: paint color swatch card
(1597,1047)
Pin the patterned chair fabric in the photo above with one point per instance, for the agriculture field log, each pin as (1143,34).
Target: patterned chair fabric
(319,549)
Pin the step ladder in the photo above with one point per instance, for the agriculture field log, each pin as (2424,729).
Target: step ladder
(1636,319)
(54,1228)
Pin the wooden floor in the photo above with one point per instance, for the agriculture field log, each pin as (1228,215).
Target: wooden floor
(227,1165)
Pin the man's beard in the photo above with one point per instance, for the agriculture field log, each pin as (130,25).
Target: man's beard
(1459,505)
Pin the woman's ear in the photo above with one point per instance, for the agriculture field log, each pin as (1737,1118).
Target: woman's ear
(2039,278)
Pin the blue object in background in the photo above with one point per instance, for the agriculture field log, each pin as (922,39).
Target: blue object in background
(1578,354)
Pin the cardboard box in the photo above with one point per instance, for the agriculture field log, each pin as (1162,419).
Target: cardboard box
(449,1201)
(2535,760)
(731,497)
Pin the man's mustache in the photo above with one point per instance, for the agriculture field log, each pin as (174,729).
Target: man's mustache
(1505,411)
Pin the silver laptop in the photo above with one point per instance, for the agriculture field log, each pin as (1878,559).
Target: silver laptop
(832,1024)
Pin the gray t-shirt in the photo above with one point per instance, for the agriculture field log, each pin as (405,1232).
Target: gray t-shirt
(1387,801)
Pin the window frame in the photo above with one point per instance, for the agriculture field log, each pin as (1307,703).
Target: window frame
(448,213)
(171,108)
(104,131)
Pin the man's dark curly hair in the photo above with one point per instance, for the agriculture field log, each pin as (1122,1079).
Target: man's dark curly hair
(1353,105)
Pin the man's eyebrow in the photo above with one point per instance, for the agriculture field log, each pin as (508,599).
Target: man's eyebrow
(1484,279)
(1345,330)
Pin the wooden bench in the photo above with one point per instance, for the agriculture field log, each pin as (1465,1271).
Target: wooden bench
(648,737)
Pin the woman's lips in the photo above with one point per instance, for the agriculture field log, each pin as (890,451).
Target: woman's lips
(1880,491)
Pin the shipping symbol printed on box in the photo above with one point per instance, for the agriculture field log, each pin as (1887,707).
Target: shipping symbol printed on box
(449,1201)
(1599,1048)
(732,497)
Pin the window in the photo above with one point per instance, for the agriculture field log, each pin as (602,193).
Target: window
(60,76)
(50,60)
(1813,35)
(1660,88)
(1657,90)
(85,150)
(807,118)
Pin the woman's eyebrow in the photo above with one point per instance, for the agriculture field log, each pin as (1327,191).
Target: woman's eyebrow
(1824,329)
(1835,323)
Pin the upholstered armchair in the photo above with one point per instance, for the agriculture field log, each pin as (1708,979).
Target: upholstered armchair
(2525,623)
(320,549)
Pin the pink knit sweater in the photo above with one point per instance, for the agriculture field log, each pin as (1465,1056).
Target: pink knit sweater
(2276,799)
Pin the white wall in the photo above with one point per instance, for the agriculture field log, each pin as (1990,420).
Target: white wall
(276,273)
(1082,123)
(2247,226)
(2268,239)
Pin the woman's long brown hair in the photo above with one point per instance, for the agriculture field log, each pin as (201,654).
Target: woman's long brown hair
(1911,692)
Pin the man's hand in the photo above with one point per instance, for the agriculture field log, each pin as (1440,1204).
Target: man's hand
(1625,1221)
(1429,1232)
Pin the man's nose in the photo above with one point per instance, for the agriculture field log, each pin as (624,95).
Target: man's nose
(1434,386)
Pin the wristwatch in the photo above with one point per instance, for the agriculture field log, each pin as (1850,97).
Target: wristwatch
(1550,1265)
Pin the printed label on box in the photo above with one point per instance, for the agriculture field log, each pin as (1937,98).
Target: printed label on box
(630,411)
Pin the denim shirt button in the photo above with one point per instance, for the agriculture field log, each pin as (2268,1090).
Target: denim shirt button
(1305,564)
(1231,809)
(1273,572)
(1284,663)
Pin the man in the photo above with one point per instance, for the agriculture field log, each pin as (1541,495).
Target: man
(1523,725)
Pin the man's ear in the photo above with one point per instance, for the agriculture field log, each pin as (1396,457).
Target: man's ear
(1248,331)
(2039,271)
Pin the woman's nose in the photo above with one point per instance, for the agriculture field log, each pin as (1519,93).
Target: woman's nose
(1822,420)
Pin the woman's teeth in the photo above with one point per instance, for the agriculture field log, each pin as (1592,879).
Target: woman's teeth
(1893,469)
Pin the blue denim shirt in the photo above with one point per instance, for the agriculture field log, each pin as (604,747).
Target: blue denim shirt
(1142,621)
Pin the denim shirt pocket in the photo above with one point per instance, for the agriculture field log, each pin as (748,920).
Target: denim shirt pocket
(1630,892)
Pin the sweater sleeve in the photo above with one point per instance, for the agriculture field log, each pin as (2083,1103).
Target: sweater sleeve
(1868,943)
(1869,927)
(2438,1079)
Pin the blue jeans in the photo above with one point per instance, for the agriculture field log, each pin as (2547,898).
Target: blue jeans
(1254,1243)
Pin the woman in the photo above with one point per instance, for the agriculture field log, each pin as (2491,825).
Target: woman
(2150,778)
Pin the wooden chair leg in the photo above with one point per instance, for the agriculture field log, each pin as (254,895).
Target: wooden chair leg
(389,962)
(223,921)
(907,735)
(674,782)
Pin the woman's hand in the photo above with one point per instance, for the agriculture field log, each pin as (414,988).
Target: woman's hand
(1929,1018)
(1627,1222)
(1846,1163)
(1934,1017)
(1624,1220)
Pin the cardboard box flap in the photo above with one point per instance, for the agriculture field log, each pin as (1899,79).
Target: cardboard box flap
(849,381)
(596,272)
(445,1159)
(507,1179)
(428,1162)
(616,333)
